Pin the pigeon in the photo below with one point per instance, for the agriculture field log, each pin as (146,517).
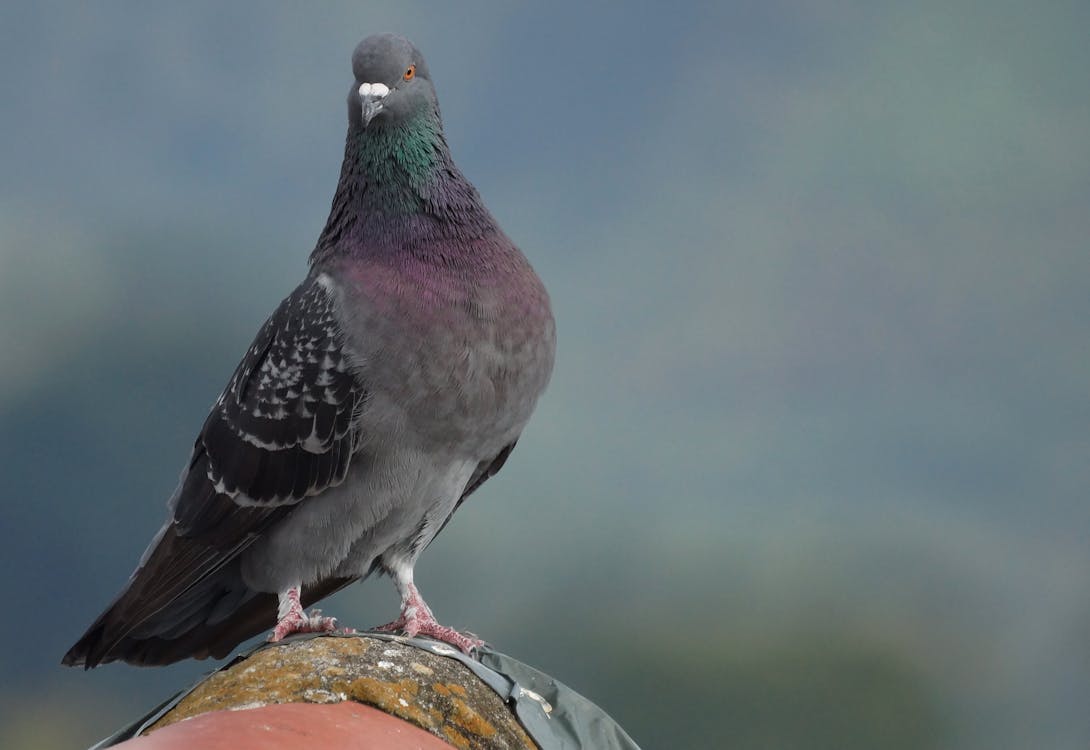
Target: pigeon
(384,390)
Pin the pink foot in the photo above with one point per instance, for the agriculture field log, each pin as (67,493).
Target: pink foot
(294,620)
(416,619)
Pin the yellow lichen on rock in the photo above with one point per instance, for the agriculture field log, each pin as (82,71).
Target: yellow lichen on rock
(435,693)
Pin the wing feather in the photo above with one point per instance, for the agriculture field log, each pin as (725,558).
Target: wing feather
(285,428)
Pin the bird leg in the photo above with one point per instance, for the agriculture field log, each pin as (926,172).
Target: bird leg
(292,619)
(416,619)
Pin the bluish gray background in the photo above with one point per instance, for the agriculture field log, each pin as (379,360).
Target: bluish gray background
(813,468)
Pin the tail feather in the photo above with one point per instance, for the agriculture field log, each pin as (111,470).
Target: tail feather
(208,620)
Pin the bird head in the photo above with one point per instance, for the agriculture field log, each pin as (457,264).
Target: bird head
(392,83)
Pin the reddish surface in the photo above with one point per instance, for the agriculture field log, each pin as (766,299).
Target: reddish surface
(291,725)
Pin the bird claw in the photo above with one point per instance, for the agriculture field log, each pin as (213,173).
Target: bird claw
(417,619)
(300,622)
(428,627)
(391,627)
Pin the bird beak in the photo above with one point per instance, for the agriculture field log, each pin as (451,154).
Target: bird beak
(371,96)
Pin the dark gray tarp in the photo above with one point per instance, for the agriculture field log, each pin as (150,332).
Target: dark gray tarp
(553,714)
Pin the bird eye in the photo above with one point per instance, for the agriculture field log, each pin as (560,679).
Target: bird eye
(410,73)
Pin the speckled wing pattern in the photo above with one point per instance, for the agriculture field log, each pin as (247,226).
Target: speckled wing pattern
(284,428)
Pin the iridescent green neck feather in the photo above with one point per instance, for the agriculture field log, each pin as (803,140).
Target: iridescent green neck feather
(398,163)
(400,191)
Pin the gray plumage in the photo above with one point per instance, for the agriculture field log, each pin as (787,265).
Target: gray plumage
(386,388)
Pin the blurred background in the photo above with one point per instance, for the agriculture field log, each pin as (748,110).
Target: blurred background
(813,468)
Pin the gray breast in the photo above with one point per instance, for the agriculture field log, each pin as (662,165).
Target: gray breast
(464,371)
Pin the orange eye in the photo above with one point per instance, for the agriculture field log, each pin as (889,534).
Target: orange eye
(410,73)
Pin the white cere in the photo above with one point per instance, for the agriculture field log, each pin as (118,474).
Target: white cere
(377,90)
